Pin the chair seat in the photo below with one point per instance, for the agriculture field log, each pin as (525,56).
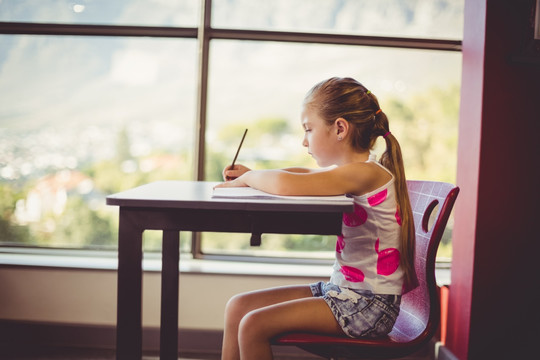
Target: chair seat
(396,337)
(392,345)
(309,338)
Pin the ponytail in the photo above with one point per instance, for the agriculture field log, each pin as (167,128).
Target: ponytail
(392,160)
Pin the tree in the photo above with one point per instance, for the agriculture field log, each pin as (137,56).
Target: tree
(80,226)
(10,232)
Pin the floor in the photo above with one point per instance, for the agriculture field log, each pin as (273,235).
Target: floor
(20,352)
(11,353)
(8,352)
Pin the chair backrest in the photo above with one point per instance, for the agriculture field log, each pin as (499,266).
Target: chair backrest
(431,203)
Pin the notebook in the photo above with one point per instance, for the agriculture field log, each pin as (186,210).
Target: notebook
(254,194)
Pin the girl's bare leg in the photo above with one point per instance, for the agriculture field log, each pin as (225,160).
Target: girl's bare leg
(239,305)
(252,319)
(259,326)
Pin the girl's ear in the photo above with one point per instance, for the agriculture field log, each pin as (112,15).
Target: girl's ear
(342,127)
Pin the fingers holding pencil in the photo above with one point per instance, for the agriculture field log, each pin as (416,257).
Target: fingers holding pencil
(230,174)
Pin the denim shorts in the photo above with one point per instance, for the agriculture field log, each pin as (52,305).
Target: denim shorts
(360,313)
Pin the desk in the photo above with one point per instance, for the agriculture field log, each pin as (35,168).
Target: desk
(174,206)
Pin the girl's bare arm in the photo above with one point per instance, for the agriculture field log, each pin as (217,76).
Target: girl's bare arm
(353,178)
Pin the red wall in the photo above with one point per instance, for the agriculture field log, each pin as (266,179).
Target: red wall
(494,303)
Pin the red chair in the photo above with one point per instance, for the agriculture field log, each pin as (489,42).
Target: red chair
(419,316)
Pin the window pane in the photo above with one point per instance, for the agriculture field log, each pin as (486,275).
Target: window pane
(183,13)
(395,18)
(84,117)
(261,86)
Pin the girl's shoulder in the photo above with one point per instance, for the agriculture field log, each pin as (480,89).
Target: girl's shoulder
(364,177)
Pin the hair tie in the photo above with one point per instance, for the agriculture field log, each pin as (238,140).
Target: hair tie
(368,92)
(385,135)
(378,111)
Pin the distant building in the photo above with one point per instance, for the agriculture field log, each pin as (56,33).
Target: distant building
(50,195)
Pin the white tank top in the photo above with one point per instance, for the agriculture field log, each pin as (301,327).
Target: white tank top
(367,252)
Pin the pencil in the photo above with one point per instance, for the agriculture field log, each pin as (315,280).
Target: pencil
(238,151)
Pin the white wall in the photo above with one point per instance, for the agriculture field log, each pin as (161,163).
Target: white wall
(75,296)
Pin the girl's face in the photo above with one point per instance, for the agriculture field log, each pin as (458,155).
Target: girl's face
(319,138)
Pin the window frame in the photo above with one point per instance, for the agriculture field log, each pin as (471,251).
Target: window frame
(204,33)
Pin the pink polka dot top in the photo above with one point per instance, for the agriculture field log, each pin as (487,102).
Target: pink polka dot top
(367,252)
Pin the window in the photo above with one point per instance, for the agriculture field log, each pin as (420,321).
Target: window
(98,97)
(436,19)
(103,12)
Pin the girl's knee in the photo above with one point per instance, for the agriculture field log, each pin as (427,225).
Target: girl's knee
(253,327)
(236,307)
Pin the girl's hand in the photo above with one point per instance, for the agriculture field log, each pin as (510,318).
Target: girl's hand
(238,171)
(238,182)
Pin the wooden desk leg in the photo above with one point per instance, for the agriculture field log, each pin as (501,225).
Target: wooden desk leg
(169,295)
(129,298)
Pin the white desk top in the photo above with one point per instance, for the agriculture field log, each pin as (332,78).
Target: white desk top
(198,195)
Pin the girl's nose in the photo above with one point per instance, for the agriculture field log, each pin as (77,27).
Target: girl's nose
(305,142)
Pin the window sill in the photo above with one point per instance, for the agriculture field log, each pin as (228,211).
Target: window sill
(107,260)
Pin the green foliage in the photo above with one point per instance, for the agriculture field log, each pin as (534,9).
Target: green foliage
(79,226)
(227,243)
(10,232)
(426,127)
(215,163)
(264,127)
(14,234)
(310,242)
(109,177)
(271,126)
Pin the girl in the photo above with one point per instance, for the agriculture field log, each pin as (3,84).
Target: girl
(374,254)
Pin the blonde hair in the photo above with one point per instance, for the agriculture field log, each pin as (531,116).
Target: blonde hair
(348,99)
